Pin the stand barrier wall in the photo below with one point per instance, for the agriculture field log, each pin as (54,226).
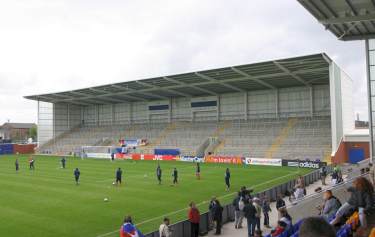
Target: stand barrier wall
(182,229)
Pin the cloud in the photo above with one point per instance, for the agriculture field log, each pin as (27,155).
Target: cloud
(56,45)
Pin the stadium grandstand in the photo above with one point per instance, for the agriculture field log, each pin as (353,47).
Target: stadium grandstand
(297,108)
(284,130)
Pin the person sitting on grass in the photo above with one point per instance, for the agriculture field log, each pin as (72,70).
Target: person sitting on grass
(128,229)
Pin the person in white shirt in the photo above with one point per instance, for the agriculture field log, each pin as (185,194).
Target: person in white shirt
(164,229)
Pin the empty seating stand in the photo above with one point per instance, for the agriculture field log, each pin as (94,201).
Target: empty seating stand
(307,138)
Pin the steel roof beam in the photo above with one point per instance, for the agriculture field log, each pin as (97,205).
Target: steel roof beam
(247,76)
(333,13)
(125,93)
(195,85)
(290,73)
(152,86)
(348,19)
(320,12)
(167,90)
(218,81)
(183,84)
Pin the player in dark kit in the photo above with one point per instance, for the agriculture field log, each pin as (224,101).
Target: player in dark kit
(198,171)
(31,163)
(63,161)
(17,165)
(175,176)
(227,178)
(77,173)
(158,174)
(118,176)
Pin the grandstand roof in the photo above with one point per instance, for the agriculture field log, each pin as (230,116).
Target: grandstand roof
(346,19)
(299,71)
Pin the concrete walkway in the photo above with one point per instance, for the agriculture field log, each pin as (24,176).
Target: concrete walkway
(228,229)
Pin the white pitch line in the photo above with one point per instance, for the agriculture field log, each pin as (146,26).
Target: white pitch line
(184,209)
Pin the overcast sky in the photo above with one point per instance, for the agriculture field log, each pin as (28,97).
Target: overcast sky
(55,45)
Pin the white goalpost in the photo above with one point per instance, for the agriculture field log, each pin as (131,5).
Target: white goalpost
(99,152)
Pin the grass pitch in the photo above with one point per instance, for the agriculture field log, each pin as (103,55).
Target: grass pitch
(46,201)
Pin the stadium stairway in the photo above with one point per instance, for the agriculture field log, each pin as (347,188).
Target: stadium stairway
(218,133)
(163,135)
(281,138)
(327,154)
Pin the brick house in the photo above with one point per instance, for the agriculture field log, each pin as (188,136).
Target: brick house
(15,131)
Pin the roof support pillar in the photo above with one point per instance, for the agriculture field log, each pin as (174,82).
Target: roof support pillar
(370,93)
(68,113)
(130,112)
(113,120)
(277,114)
(97,115)
(245,106)
(311,89)
(170,110)
(218,108)
(38,127)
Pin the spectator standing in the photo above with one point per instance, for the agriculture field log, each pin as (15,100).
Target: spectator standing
(266,208)
(218,216)
(211,206)
(194,218)
(238,204)
(249,212)
(323,174)
(164,229)
(258,214)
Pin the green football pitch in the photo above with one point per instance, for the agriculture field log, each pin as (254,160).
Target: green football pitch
(46,201)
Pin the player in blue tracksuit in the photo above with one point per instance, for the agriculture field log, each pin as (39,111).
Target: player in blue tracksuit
(63,161)
(175,176)
(118,176)
(77,173)
(158,174)
(227,178)
(17,165)
(198,171)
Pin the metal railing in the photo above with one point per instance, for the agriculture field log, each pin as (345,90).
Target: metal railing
(182,228)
